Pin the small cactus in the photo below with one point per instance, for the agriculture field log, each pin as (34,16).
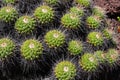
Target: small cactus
(75,47)
(8,13)
(107,34)
(70,21)
(31,49)
(54,38)
(88,62)
(100,56)
(98,11)
(77,10)
(65,70)
(95,38)
(25,24)
(112,56)
(93,22)
(51,2)
(7,47)
(85,3)
(44,14)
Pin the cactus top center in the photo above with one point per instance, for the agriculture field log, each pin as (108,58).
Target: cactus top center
(114,56)
(72,17)
(103,55)
(31,45)
(4,44)
(77,45)
(8,10)
(91,59)
(44,10)
(97,36)
(55,35)
(66,69)
(25,20)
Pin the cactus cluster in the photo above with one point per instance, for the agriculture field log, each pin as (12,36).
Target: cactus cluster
(90,62)
(80,39)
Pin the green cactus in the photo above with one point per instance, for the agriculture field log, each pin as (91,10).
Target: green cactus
(98,11)
(70,21)
(88,62)
(118,18)
(44,14)
(112,56)
(85,3)
(54,38)
(9,1)
(65,70)
(107,34)
(77,10)
(8,13)
(95,38)
(31,49)
(7,47)
(100,56)
(93,22)
(75,47)
(25,24)
(51,2)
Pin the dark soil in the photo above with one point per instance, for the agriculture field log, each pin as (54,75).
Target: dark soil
(112,7)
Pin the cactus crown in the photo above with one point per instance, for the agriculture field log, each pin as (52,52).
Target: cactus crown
(31,49)
(77,10)
(25,24)
(93,22)
(100,56)
(7,47)
(54,38)
(65,70)
(44,14)
(70,21)
(95,38)
(112,56)
(75,47)
(88,62)
(8,13)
